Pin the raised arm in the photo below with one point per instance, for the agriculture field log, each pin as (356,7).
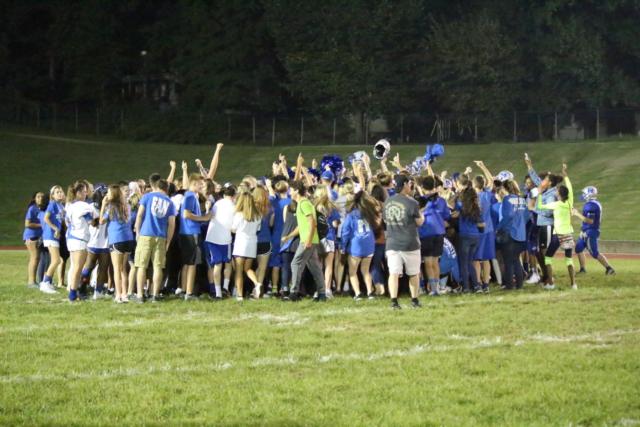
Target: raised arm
(487,174)
(299,164)
(532,173)
(185,175)
(213,168)
(172,172)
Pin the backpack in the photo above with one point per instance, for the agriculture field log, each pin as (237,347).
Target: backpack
(321,225)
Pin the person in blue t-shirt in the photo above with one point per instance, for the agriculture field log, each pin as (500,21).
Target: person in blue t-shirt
(432,231)
(32,235)
(190,219)
(486,251)
(154,227)
(51,234)
(115,212)
(358,240)
(470,227)
(514,215)
(279,201)
(590,231)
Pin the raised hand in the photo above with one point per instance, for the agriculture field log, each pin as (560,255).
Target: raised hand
(172,164)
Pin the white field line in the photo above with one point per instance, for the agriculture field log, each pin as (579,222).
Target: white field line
(290,360)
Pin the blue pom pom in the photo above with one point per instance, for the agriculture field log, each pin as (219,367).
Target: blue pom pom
(333,162)
(433,152)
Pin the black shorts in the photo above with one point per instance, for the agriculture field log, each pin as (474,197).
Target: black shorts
(190,253)
(431,246)
(545,237)
(124,247)
(264,248)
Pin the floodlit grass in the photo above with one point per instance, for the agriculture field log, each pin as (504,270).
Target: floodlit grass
(30,164)
(521,358)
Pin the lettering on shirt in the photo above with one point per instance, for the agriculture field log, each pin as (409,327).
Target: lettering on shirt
(159,207)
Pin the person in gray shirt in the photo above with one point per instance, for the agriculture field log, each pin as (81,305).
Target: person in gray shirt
(402,217)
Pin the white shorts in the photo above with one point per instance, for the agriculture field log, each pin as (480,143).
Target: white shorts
(51,243)
(409,259)
(328,245)
(75,245)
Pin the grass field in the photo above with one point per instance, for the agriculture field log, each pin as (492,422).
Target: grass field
(29,164)
(527,358)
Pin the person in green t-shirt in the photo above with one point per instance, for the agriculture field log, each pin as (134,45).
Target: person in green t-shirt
(307,253)
(561,227)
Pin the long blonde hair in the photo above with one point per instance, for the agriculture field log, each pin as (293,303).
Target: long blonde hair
(245,204)
(261,200)
(322,201)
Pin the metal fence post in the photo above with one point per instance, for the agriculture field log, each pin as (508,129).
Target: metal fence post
(402,128)
(515,125)
(475,129)
(273,132)
(597,123)
(555,126)
(301,129)
(334,131)
(253,128)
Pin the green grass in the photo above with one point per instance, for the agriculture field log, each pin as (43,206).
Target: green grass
(29,164)
(527,358)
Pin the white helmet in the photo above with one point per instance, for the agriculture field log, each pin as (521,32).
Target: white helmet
(381,149)
(589,193)
(504,176)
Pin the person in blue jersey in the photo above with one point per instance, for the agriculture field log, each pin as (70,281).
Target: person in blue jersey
(470,228)
(544,217)
(486,251)
(591,218)
(448,265)
(51,234)
(279,201)
(32,236)
(327,179)
(78,216)
(190,219)
(358,240)
(44,259)
(514,215)
(115,213)
(324,204)
(154,227)
(263,249)
(432,231)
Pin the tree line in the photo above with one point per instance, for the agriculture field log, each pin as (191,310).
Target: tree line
(330,57)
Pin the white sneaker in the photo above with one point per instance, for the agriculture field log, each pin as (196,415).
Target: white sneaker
(47,288)
(549,287)
(178,291)
(99,295)
(329,294)
(574,286)
(535,278)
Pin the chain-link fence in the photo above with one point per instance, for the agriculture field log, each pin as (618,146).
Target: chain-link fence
(189,127)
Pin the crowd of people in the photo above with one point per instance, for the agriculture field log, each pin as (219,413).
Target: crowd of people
(328,228)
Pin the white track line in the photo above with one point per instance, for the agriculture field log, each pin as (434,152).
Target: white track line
(599,337)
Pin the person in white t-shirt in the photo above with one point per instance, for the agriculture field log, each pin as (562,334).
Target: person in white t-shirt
(246,224)
(78,214)
(97,247)
(218,240)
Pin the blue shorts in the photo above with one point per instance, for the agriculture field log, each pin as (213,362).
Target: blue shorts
(97,251)
(217,254)
(275,259)
(486,247)
(588,240)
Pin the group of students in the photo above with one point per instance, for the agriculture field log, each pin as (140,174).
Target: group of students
(308,231)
